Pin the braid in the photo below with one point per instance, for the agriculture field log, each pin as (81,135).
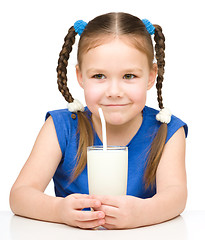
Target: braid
(160,55)
(63,62)
(84,127)
(159,140)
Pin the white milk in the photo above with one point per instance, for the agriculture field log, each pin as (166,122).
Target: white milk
(107,170)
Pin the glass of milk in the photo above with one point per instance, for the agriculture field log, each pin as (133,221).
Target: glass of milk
(107,170)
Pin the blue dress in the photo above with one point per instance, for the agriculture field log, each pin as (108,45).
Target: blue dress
(138,149)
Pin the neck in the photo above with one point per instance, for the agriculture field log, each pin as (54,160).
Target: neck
(119,135)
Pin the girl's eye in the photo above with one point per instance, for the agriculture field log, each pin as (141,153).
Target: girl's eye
(129,76)
(99,76)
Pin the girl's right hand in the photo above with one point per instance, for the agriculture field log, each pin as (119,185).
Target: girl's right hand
(71,213)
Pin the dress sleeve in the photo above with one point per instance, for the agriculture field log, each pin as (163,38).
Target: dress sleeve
(60,127)
(174,125)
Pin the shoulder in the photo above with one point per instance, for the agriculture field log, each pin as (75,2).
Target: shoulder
(59,113)
(65,125)
(62,117)
(174,125)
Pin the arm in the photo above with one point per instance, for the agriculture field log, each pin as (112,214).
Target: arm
(167,203)
(171,196)
(27,196)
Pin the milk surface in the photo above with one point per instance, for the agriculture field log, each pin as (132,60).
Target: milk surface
(107,171)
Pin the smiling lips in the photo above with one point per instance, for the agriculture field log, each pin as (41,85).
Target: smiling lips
(115,105)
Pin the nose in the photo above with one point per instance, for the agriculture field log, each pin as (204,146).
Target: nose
(114,89)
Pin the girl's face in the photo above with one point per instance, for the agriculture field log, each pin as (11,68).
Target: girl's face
(115,76)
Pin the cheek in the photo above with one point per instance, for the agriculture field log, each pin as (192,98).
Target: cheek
(138,94)
(92,94)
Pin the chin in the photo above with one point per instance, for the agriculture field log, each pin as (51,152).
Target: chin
(115,122)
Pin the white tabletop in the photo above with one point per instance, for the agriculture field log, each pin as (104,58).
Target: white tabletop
(189,225)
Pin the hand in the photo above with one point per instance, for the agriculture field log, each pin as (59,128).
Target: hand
(71,214)
(121,212)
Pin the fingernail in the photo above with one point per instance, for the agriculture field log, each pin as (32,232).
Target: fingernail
(97,203)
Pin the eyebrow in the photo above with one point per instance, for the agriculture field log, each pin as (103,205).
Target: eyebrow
(133,70)
(95,70)
(128,70)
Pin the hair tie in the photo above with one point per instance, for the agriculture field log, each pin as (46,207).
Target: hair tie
(79,26)
(150,28)
(164,116)
(75,106)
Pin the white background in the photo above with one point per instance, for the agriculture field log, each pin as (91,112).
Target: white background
(32,34)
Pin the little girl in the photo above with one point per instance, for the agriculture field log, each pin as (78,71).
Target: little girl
(115,68)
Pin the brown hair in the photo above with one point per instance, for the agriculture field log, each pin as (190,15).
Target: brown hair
(96,33)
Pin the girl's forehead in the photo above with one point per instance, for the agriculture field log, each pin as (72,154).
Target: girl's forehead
(114,46)
(114,54)
(88,45)
(105,39)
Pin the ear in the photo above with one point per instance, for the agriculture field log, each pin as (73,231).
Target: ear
(79,76)
(152,76)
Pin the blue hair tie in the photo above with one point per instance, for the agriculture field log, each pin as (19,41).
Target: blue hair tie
(79,26)
(150,28)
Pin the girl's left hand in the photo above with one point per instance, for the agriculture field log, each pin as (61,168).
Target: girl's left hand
(121,212)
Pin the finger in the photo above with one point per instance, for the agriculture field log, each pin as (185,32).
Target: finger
(108,200)
(108,210)
(88,215)
(90,224)
(86,203)
(78,196)
(97,208)
(110,220)
(109,226)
